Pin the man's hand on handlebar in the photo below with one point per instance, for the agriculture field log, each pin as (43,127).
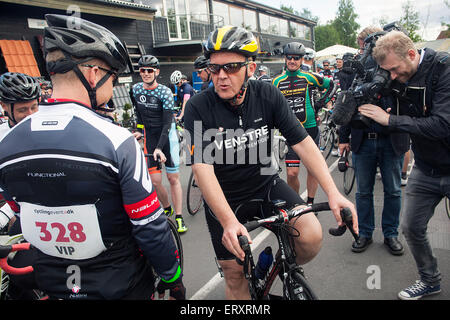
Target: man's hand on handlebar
(337,203)
(231,231)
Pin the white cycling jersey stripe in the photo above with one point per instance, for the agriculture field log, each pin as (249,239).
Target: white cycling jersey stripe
(153,217)
(58,156)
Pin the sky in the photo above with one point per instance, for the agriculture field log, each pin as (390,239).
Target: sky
(369,12)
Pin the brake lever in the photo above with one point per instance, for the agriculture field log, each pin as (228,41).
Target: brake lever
(346,216)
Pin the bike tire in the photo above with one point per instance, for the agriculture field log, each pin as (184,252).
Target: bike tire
(194,198)
(298,288)
(282,149)
(349,177)
(177,240)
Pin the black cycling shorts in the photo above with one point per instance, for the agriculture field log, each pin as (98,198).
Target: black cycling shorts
(171,150)
(292,160)
(277,189)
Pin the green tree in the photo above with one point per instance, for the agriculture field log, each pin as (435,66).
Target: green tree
(410,21)
(326,36)
(345,23)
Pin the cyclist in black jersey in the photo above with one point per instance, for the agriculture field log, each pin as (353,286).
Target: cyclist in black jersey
(230,127)
(154,106)
(86,202)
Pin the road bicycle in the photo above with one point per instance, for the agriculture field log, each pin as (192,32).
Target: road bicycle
(181,140)
(293,282)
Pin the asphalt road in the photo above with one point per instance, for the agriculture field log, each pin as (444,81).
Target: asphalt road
(336,273)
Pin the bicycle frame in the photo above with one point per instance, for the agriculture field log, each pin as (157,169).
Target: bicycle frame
(285,263)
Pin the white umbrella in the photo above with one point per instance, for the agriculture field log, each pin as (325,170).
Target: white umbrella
(334,51)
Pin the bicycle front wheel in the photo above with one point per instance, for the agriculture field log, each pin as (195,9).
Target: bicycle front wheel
(297,288)
(194,198)
(447,206)
(177,241)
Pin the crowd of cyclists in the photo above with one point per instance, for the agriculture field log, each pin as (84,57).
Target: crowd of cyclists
(61,152)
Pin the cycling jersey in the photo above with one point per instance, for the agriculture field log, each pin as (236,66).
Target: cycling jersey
(154,111)
(185,91)
(296,86)
(86,203)
(237,140)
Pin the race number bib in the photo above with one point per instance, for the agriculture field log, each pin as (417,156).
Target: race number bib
(70,232)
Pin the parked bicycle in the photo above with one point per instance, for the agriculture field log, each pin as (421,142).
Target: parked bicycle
(294,285)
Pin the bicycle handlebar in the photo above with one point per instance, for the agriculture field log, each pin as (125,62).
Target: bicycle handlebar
(285,216)
(5,251)
(159,166)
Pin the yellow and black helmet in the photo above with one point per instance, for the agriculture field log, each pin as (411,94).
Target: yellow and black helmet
(230,38)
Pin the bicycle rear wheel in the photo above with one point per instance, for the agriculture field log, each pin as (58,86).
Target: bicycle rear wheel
(194,198)
(177,240)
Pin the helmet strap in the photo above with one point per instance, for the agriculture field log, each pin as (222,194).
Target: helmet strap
(11,116)
(240,94)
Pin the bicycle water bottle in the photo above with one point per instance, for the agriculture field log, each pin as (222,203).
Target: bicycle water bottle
(265,260)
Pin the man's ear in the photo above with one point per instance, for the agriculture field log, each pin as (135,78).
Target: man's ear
(91,76)
(412,54)
(251,68)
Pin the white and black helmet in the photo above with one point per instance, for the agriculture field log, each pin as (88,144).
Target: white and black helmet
(175,77)
(309,54)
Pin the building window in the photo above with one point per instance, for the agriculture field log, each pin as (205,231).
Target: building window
(199,10)
(264,23)
(284,31)
(236,16)
(221,9)
(250,20)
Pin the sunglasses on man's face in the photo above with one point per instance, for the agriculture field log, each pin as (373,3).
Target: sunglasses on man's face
(146,70)
(296,58)
(231,67)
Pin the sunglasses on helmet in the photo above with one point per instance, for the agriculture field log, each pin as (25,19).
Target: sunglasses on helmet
(231,67)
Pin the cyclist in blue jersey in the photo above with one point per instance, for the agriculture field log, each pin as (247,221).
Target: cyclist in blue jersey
(153,104)
(86,202)
(184,92)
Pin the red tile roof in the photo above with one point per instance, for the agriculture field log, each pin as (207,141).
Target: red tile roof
(19,57)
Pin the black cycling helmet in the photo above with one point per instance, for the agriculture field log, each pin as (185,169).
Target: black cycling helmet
(296,48)
(201,62)
(148,61)
(230,38)
(18,87)
(82,39)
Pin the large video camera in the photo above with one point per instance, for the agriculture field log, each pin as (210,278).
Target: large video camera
(370,83)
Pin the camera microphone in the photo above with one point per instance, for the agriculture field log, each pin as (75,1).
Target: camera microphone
(344,108)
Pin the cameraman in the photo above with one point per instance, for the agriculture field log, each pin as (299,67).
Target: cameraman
(371,147)
(423,92)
